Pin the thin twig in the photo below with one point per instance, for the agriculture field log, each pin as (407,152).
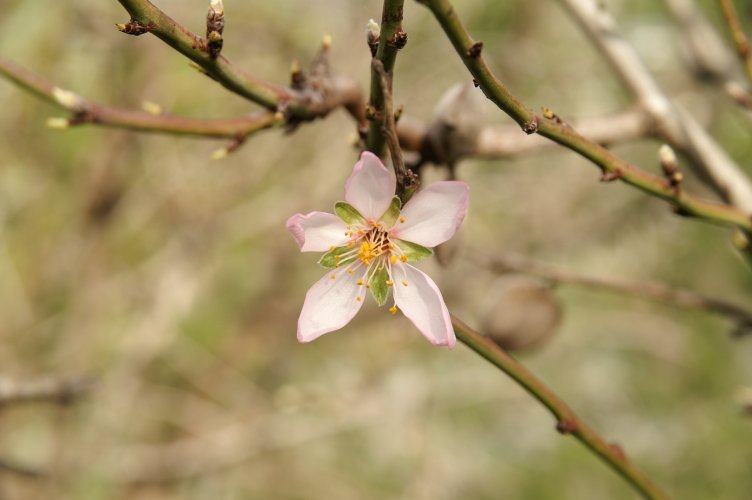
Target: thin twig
(658,292)
(567,421)
(390,128)
(737,33)
(87,112)
(391,39)
(706,51)
(51,389)
(22,470)
(611,165)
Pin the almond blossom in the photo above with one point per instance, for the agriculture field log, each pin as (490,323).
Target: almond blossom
(369,244)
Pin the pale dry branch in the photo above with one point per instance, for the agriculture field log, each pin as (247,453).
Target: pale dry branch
(43,389)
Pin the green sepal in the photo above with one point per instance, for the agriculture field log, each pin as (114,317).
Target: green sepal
(379,288)
(348,213)
(391,214)
(330,260)
(412,251)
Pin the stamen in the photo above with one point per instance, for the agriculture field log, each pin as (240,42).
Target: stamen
(403,258)
(393,258)
(389,283)
(350,271)
(360,282)
(402,219)
(393,309)
(331,248)
(404,283)
(358,299)
(333,276)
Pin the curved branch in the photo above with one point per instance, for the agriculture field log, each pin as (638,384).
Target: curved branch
(567,421)
(612,166)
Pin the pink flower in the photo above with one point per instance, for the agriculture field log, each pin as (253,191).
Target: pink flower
(368,245)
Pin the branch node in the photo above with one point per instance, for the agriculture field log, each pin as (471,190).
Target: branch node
(134,28)
(475,50)
(618,451)
(399,40)
(612,176)
(531,126)
(567,425)
(215,25)
(670,167)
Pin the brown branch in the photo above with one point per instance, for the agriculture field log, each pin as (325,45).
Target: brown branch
(391,39)
(88,112)
(503,263)
(390,132)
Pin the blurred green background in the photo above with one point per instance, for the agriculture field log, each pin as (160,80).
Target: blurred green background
(171,279)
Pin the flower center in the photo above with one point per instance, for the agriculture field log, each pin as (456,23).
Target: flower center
(367,252)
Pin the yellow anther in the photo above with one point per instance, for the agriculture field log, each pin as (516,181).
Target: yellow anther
(367,252)
(336,265)
(404,283)
(331,248)
(360,282)
(349,243)
(393,309)
(389,283)
(350,271)
(368,286)
(358,299)
(402,219)
(403,258)
(393,258)
(333,276)
(337,257)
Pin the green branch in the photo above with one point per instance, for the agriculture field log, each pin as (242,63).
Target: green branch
(567,421)
(146,18)
(613,167)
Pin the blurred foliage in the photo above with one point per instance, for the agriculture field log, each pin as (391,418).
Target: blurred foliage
(171,278)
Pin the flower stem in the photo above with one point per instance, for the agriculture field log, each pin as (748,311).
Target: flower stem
(567,421)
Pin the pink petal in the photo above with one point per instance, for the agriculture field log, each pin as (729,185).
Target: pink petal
(422,303)
(330,304)
(433,215)
(370,187)
(317,231)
